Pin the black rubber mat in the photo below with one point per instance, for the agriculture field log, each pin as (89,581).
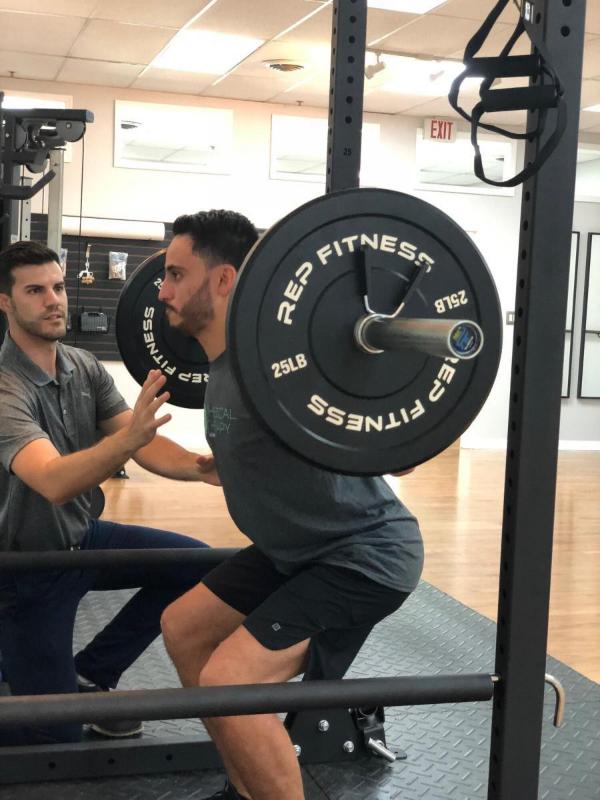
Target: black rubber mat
(447,745)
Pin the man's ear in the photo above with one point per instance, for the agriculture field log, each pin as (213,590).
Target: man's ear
(227,279)
(5,302)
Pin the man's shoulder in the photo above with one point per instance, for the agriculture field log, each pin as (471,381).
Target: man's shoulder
(77,354)
(82,361)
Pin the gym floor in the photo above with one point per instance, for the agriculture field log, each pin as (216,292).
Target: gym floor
(457,498)
(447,626)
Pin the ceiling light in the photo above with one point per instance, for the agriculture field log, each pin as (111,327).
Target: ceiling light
(373,69)
(406,6)
(207,52)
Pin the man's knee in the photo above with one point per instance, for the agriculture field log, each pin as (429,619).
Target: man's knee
(172,627)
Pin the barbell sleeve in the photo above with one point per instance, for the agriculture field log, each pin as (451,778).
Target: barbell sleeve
(445,338)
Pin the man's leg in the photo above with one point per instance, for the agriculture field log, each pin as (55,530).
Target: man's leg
(257,750)
(137,624)
(196,624)
(308,619)
(36,641)
(193,627)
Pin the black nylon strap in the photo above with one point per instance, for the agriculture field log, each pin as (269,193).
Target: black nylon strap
(540,97)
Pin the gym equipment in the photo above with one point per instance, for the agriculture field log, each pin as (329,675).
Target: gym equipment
(30,137)
(365,331)
(146,340)
(540,303)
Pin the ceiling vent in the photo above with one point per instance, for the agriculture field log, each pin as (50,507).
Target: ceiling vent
(283,65)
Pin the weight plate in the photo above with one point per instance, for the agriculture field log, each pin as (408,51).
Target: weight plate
(291,331)
(146,340)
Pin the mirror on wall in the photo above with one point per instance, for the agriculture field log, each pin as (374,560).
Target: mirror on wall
(448,166)
(589,368)
(570,319)
(299,149)
(173,138)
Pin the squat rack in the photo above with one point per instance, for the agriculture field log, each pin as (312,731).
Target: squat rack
(533,428)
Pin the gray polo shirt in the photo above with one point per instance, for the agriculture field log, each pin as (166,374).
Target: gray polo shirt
(66,410)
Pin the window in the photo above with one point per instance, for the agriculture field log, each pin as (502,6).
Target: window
(299,148)
(587,180)
(173,138)
(449,166)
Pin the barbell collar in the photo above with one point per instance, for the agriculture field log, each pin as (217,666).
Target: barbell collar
(445,338)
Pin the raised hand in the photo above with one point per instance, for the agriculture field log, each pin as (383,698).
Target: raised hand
(144,423)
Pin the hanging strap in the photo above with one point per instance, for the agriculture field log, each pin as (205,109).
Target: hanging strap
(544,92)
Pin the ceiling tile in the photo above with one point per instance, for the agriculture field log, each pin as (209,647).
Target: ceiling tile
(103,73)
(263,22)
(26,65)
(315,29)
(476,9)
(116,41)
(38,33)
(149,12)
(433,35)
(496,40)
(382,23)
(167,80)
(238,86)
(68,8)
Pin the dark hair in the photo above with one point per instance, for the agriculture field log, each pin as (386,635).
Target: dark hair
(220,237)
(22,254)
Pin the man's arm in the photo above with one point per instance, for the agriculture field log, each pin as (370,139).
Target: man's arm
(61,478)
(164,457)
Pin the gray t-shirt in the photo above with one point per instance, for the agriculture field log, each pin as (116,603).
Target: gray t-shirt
(65,410)
(297,513)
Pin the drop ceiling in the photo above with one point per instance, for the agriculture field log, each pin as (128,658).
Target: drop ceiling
(114,42)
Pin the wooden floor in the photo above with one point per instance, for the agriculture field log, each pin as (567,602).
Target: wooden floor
(458,500)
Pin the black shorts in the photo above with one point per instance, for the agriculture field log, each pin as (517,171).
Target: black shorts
(333,606)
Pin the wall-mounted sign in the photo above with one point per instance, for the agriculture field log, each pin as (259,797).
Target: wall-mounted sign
(440,130)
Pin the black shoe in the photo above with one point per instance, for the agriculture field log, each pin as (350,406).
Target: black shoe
(228,792)
(113,728)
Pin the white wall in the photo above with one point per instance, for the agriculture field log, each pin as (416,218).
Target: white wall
(157,195)
(580,421)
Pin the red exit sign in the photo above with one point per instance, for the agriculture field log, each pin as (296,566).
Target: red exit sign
(440,130)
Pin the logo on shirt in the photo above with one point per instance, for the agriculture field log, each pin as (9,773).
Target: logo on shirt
(218,420)
(276,626)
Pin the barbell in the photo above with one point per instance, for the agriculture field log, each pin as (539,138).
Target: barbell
(364,331)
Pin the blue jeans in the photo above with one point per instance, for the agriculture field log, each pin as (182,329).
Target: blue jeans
(37,617)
